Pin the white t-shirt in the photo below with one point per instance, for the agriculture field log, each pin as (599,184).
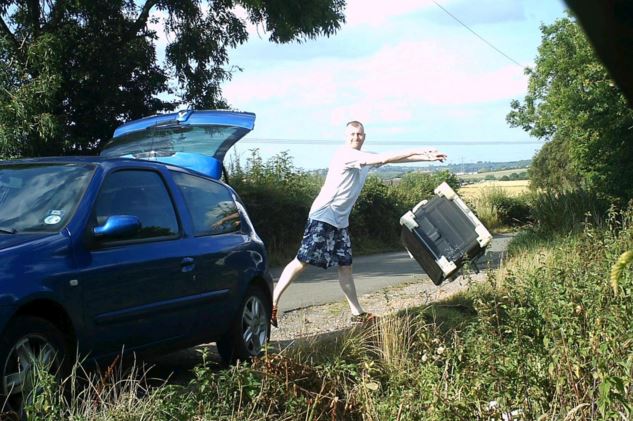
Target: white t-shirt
(343,183)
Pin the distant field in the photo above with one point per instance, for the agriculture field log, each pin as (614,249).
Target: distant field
(512,188)
(496,174)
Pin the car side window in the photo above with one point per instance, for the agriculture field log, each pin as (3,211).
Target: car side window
(141,194)
(210,204)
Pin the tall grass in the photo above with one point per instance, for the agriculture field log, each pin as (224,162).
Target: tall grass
(555,215)
(121,392)
(568,211)
(497,209)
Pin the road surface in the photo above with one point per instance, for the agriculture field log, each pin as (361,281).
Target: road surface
(317,286)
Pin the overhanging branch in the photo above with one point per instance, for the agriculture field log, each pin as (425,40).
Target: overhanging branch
(6,33)
(57,12)
(142,18)
(34,15)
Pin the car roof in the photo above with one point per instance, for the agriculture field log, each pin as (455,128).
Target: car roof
(98,161)
(59,160)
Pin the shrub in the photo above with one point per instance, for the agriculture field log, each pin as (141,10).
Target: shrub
(417,186)
(565,212)
(374,222)
(278,197)
(513,210)
(496,209)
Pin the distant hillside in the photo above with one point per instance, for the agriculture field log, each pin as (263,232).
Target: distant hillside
(469,170)
(394,171)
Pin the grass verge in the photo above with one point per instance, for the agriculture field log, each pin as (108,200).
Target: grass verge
(548,336)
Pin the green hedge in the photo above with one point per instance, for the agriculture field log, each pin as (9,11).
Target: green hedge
(278,197)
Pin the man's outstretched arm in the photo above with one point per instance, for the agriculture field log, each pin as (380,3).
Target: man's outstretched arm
(414,155)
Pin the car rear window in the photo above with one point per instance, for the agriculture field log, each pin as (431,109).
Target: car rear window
(210,205)
(165,141)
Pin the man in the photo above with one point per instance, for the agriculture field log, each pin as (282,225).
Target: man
(326,241)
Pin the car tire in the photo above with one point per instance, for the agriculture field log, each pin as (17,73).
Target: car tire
(250,331)
(25,340)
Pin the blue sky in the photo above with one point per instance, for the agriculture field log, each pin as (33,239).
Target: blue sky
(408,70)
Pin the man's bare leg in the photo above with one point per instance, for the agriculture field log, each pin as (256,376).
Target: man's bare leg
(289,274)
(346,281)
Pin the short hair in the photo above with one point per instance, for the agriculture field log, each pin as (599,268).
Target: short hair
(356,124)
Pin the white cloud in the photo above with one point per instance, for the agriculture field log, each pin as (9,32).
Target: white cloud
(371,13)
(482,11)
(429,73)
(376,13)
(385,85)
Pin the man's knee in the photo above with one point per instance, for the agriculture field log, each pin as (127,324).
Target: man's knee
(345,270)
(297,265)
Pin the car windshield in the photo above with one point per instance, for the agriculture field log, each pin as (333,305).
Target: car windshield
(40,197)
(160,141)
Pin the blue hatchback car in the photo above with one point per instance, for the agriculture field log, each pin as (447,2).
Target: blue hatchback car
(129,251)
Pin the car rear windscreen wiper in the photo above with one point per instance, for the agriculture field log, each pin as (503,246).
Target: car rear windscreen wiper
(6,230)
(173,125)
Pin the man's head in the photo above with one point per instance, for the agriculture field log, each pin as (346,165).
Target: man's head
(355,134)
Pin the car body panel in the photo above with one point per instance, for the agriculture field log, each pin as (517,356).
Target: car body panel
(9,241)
(148,274)
(139,294)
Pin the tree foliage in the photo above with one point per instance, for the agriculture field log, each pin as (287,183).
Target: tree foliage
(71,71)
(278,196)
(420,185)
(574,105)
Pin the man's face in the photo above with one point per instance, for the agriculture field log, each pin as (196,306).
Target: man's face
(355,137)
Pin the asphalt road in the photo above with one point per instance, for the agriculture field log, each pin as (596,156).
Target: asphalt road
(317,286)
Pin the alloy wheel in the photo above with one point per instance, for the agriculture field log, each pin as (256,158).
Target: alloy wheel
(29,354)
(254,325)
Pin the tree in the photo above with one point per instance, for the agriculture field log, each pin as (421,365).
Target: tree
(71,71)
(573,104)
(608,25)
(552,167)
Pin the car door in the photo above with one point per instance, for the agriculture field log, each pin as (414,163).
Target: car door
(137,288)
(219,247)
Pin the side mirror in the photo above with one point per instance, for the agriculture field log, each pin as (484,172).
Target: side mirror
(118,226)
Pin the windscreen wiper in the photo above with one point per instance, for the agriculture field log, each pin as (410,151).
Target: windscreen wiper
(7,230)
(169,125)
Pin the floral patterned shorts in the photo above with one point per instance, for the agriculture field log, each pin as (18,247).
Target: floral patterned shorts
(324,245)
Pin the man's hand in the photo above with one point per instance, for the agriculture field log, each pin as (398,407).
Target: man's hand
(417,155)
(429,155)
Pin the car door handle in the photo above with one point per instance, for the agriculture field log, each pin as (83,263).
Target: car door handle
(187,264)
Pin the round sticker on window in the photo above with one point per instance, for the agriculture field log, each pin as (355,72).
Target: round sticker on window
(52,219)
